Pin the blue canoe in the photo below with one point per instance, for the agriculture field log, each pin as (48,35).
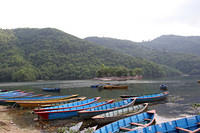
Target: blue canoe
(129,123)
(85,114)
(184,125)
(7,92)
(15,94)
(51,89)
(148,98)
(38,98)
(68,113)
(70,105)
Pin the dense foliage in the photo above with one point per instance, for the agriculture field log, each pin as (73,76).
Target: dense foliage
(188,64)
(48,54)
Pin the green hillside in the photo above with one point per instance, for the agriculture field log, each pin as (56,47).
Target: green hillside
(178,44)
(188,64)
(50,54)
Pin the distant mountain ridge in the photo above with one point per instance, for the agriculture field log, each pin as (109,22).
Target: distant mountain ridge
(178,44)
(156,51)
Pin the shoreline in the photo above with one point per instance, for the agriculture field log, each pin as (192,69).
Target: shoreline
(8,126)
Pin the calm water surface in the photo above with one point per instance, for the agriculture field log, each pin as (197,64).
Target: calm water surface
(184,91)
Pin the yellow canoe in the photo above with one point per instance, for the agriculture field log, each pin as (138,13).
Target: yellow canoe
(60,103)
(32,104)
(115,87)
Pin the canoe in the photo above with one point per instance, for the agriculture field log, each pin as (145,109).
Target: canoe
(120,114)
(12,93)
(3,91)
(198,81)
(9,92)
(61,103)
(184,125)
(70,105)
(115,87)
(39,98)
(69,112)
(85,114)
(99,85)
(148,98)
(163,87)
(129,123)
(51,89)
(32,104)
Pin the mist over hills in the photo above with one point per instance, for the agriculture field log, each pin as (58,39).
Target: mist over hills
(178,44)
(177,52)
(50,54)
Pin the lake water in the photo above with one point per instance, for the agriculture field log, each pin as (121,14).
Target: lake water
(184,91)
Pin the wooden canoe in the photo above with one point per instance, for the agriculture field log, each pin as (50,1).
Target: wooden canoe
(184,125)
(198,81)
(129,123)
(70,105)
(32,104)
(148,98)
(85,114)
(120,114)
(69,112)
(115,87)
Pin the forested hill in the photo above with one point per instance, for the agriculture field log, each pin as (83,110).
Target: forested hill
(186,63)
(179,44)
(43,54)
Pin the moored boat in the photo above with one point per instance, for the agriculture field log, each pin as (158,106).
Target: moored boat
(8,92)
(3,91)
(115,87)
(76,99)
(32,104)
(85,114)
(120,114)
(99,85)
(51,89)
(148,98)
(70,105)
(37,98)
(188,125)
(163,87)
(15,94)
(129,123)
(69,112)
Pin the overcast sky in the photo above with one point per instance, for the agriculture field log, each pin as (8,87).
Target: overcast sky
(134,20)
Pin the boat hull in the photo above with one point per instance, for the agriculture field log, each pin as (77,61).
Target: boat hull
(188,124)
(86,114)
(120,114)
(67,113)
(115,87)
(32,104)
(70,105)
(129,123)
(51,89)
(148,98)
